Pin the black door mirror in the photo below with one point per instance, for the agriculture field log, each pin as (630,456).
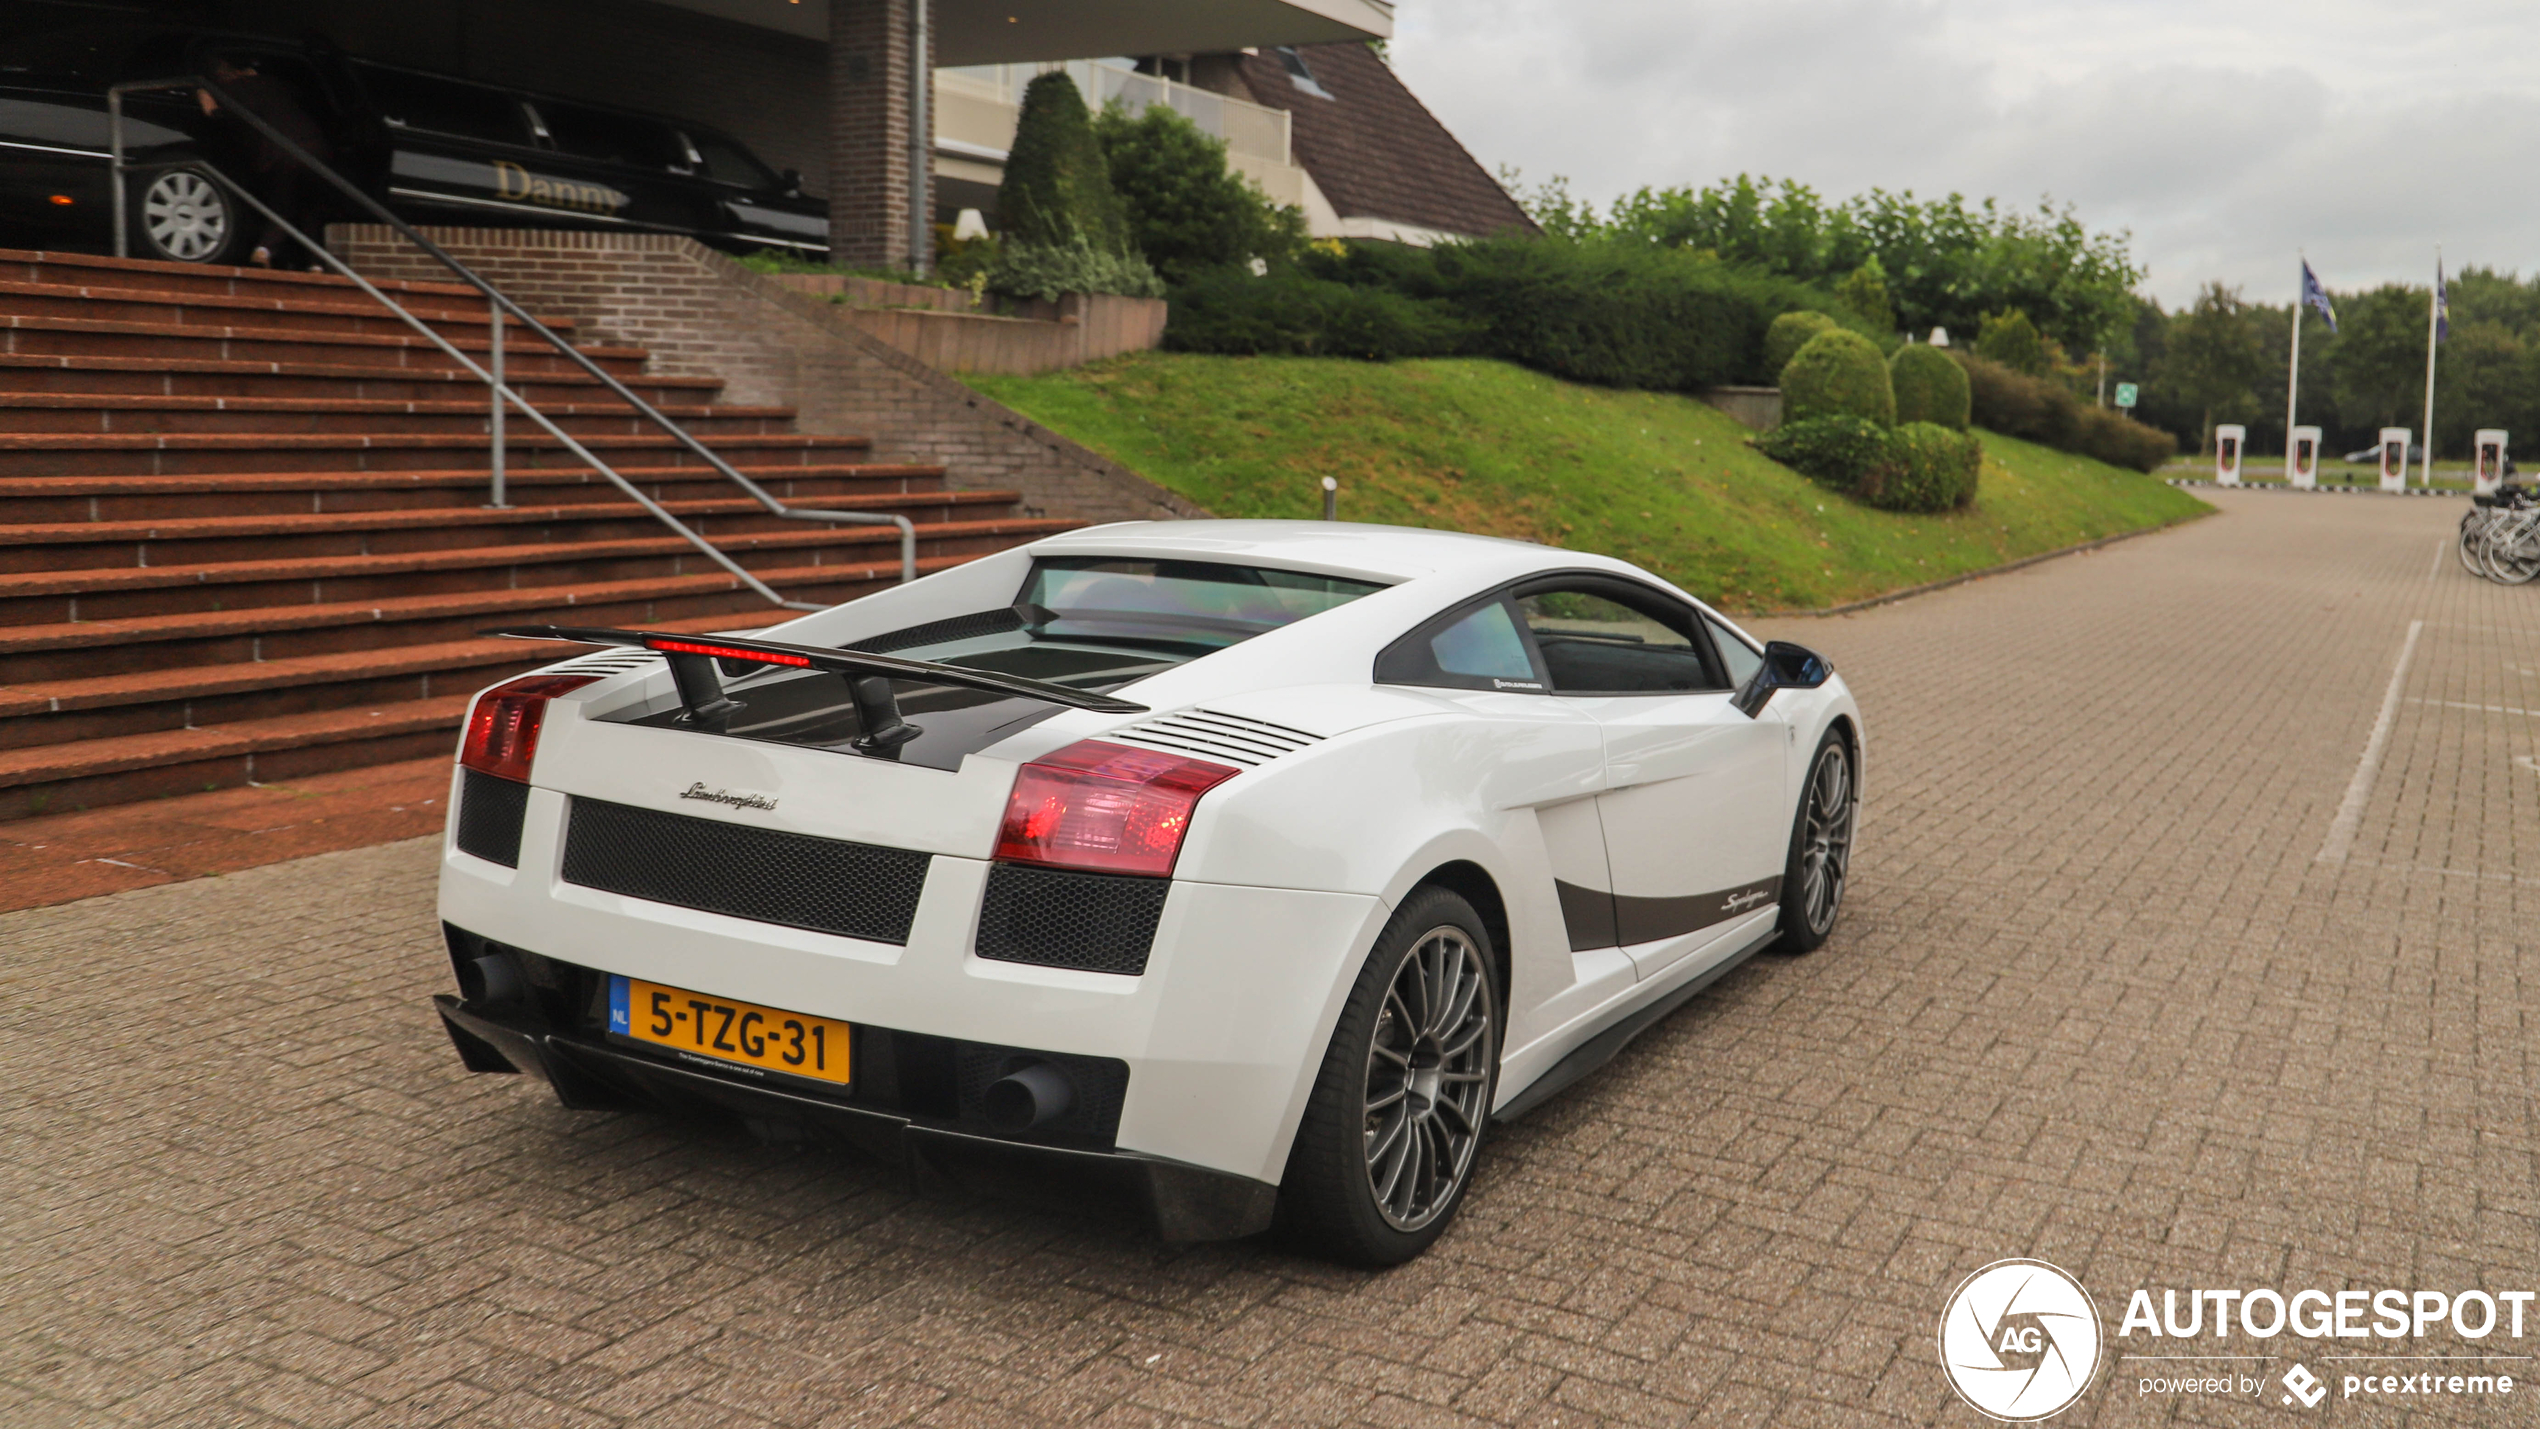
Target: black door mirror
(1786,667)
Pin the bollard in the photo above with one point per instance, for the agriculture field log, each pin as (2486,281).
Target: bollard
(1331,499)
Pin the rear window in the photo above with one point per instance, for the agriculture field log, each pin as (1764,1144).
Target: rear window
(441,106)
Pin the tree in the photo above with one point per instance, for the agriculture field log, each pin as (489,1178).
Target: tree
(2012,340)
(1186,210)
(1057,191)
(2379,357)
(2485,382)
(2214,360)
(1864,291)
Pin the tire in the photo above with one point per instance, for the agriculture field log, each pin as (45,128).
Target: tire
(2513,557)
(1820,863)
(183,215)
(1390,1137)
(2473,541)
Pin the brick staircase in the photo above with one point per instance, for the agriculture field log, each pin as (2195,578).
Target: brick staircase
(244,538)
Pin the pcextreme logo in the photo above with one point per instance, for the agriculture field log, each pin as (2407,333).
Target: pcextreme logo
(2020,1340)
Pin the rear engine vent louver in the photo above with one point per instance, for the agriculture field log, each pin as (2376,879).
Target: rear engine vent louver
(491,811)
(1093,922)
(1235,739)
(826,885)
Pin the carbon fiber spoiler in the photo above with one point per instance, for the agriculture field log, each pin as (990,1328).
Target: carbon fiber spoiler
(868,676)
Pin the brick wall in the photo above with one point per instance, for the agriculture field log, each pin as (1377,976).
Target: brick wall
(870,79)
(700,313)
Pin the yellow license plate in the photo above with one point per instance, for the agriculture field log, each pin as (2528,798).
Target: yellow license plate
(795,1043)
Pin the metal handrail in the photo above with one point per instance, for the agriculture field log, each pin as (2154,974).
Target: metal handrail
(503,307)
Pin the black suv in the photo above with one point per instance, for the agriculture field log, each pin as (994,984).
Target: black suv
(432,148)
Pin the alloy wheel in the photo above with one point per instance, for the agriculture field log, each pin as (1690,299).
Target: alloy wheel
(186,217)
(1825,857)
(1428,1072)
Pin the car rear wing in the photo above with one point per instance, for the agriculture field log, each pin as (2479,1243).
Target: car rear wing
(868,676)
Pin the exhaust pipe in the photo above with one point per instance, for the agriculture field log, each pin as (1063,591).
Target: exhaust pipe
(491,980)
(1032,1095)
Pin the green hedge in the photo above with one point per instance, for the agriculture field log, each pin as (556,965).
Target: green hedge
(1838,373)
(1612,314)
(1929,387)
(1048,271)
(1289,314)
(1915,467)
(2047,412)
(1789,333)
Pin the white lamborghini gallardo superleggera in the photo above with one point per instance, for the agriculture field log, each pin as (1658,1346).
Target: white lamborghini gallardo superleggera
(1246,869)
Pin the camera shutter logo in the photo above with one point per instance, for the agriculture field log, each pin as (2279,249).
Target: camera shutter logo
(2020,1340)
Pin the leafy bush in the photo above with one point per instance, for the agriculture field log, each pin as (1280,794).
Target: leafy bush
(2047,412)
(1289,313)
(1929,387)
(1838,373)
(1057,191)
(1932,469)
(1046,271)
(1789,333)
(1841,452)
(1187,211)
(2120,440)
(1864,291)
(2011,339)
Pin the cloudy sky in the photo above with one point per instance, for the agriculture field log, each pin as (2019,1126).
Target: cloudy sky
(2226,134)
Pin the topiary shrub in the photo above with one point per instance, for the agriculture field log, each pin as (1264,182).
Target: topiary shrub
(2016,405)
(1931,468)
(1057,190)
(2009,338)
(1046,271)
(1789,333)
(1293,314)
(1838,374)
(1929,387)
(2119,440)
(1842,452)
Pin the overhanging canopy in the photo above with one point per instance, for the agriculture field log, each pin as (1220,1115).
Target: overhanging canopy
(977,32)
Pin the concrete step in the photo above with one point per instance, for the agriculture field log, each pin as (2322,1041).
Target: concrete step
(355,312)
(165,454)
(48,336)
(65,546)
(85,648)
(89,269)
(30,500)
(91,595)
(599,413)
(212,377)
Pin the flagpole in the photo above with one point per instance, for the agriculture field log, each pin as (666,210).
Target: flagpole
(2293,380)
(2433,317)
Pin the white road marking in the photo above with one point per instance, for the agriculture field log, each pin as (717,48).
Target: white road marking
(2440,552)
(2341,830)
(2465,705)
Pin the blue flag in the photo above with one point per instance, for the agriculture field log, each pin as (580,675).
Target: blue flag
(2442,304)
(2317,296)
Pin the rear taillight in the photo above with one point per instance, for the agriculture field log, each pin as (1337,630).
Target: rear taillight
(1105,808)
(502,731)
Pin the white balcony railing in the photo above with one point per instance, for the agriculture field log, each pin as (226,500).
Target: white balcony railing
(1251,131)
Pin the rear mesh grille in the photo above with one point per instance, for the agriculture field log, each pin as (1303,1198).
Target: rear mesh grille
(826,885)
(1096,922)
(491,810)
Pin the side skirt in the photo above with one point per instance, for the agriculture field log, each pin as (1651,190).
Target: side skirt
(1601,1048)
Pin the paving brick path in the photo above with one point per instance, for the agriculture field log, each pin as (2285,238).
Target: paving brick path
(2098,1000)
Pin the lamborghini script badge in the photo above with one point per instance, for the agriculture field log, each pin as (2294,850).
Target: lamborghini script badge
(726,796)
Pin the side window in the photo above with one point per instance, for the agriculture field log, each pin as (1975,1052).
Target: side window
(468,111)
(1593,643)
(1478,650)
(612,138)
(727,162)
(1742,661)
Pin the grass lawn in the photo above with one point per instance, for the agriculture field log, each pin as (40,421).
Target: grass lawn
(1658,479)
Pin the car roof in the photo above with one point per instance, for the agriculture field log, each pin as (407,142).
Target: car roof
(1381,553)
